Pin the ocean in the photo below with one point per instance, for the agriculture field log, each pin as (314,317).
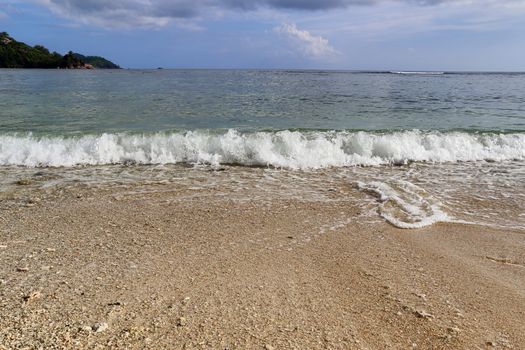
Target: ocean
(409,148)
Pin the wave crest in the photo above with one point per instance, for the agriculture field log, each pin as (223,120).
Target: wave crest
(287,149)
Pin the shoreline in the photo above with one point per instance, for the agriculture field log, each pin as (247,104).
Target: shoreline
(88,268)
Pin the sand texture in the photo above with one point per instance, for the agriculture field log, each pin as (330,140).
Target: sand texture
(97,269)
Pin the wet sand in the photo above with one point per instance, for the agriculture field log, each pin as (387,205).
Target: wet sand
(93,269)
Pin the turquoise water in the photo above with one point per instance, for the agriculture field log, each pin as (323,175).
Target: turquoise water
(64,102)
(413,148)
(290,119)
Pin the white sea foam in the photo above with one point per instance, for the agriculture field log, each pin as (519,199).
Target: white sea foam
(404,204)
(287,149)
(417,73)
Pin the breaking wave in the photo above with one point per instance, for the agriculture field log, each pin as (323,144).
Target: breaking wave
(287,149)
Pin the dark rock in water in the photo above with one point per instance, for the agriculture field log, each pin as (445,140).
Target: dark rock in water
(400,162)
(129,162)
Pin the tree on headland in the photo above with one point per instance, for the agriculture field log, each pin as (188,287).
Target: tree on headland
(41,49)
(96,61)
(70,61)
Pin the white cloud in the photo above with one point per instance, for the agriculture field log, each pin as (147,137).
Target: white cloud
(313,46)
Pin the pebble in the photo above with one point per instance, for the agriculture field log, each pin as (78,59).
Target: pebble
(269,347)
(99,327)
(421,296)
(181,322)
(23,182)
(32,296)
(116,303)
(453,330)
(22,269)
(423,314)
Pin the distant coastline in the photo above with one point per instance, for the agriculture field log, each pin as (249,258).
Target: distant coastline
(16,54)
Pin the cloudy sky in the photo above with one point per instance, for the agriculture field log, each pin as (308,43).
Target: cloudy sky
(479,35)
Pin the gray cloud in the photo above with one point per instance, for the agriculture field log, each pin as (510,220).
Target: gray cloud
(297,4)
(318,4)
(129,13)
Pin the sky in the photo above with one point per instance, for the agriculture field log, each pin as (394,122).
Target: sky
(440,35)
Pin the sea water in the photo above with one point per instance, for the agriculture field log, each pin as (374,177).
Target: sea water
(419,147)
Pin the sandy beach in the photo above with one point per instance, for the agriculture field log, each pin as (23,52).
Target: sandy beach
(262,174)
(103,268)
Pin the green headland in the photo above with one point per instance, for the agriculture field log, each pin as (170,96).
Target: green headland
(16,54)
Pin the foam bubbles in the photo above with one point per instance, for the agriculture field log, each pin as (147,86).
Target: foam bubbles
(404,204)
(282,149)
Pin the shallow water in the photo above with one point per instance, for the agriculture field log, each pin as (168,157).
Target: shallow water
(408,149)
(408,196)
(112,101)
